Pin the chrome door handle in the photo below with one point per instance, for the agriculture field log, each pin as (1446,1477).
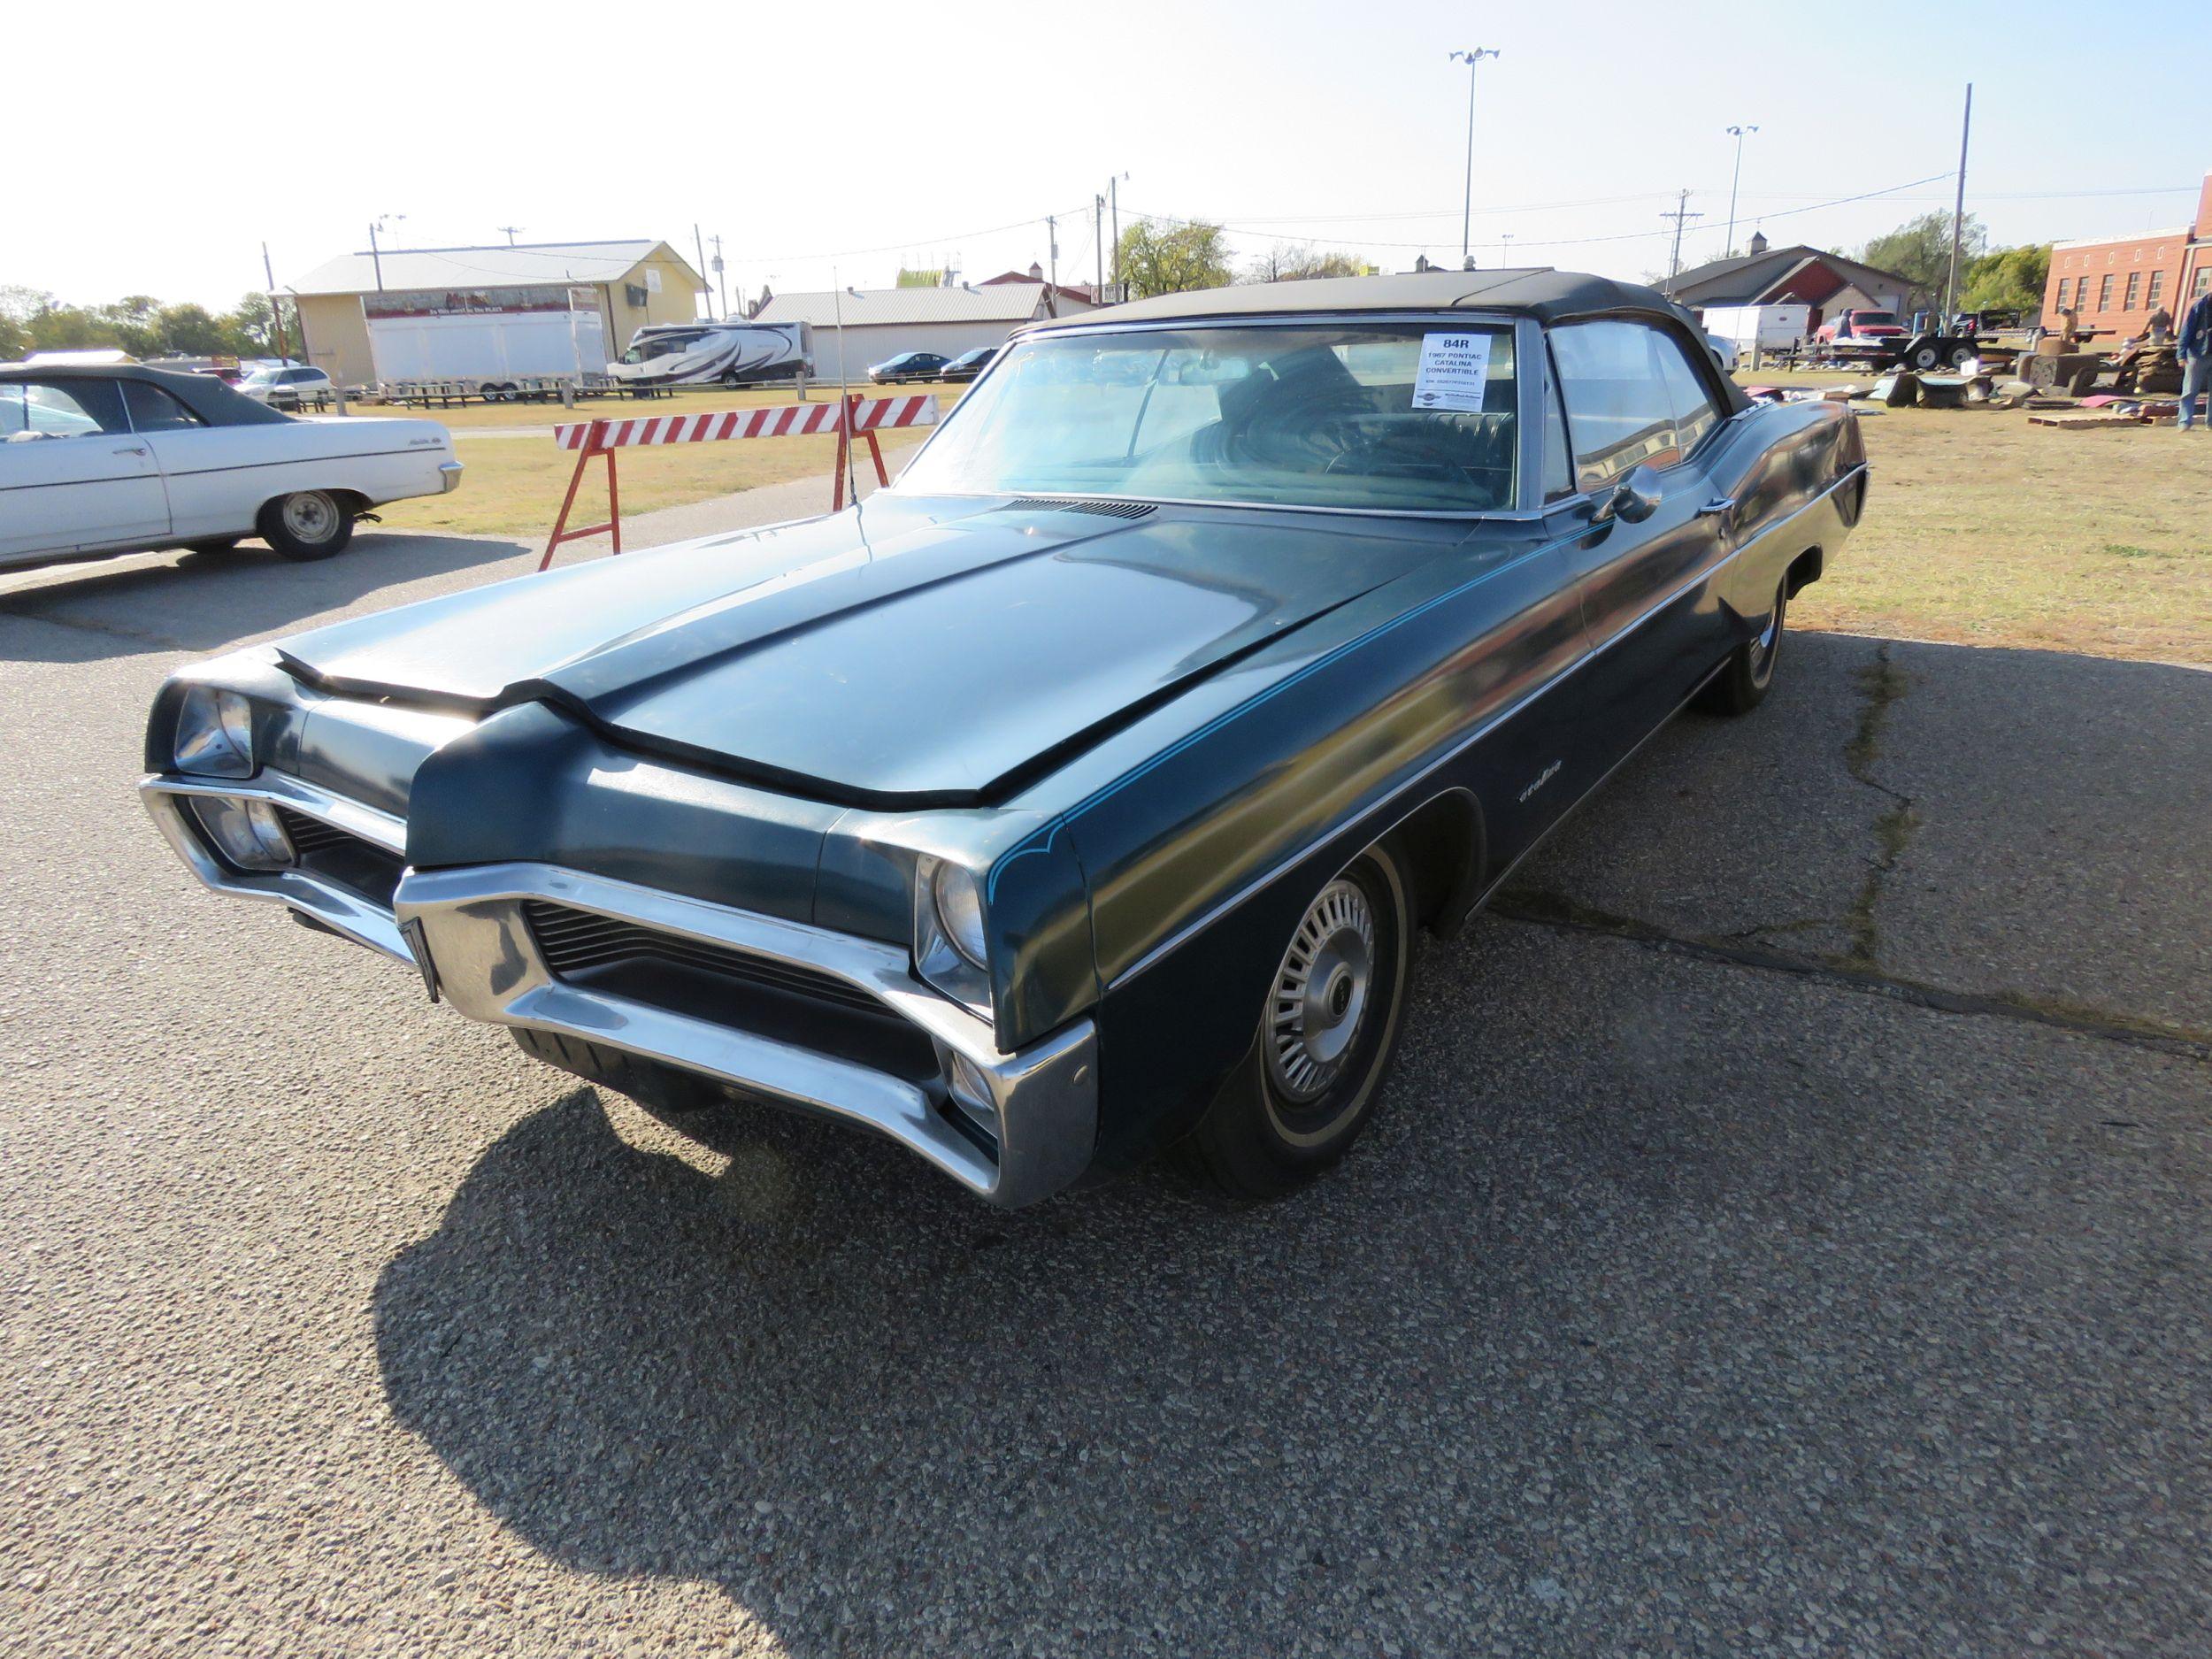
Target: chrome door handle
(136,448)
(1719,504)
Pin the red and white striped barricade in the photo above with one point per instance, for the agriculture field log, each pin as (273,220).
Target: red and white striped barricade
(852,418)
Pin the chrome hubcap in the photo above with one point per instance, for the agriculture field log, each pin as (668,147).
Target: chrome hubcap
(1769,636)
(1321,992)
(309,517)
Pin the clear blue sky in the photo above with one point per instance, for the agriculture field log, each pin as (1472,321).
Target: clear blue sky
(1342,125)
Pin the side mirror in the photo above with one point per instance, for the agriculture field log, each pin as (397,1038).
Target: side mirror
(1634,499)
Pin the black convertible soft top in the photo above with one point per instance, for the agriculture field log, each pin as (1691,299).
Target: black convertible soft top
(203,394)
(1538,291)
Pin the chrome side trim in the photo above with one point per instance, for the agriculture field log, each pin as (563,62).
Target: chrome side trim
(1284,866)
(335,908)
(1044,1098)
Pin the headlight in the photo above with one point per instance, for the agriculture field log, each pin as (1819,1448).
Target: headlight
(215,733)
(950,949)
(960,912)
(247,833)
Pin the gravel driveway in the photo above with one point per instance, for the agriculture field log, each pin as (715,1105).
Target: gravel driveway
(1787,1234)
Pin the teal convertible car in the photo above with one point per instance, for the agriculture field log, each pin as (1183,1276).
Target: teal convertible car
(1078,795)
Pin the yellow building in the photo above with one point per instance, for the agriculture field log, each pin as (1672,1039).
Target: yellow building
(488,314)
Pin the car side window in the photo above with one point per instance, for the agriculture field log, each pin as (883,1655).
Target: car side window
(32,409)
(1620,414)
(1695,414)
(154,410)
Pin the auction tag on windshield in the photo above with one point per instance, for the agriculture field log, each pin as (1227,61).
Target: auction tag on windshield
(1452,372)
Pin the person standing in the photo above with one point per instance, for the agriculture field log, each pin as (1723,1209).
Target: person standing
(2195,346)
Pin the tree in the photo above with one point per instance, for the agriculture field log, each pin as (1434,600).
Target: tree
(253,326)
(2008,279)
(1293,262)
(1157,257)
(1920,251)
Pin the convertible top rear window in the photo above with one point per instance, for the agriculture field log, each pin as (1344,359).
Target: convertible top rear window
(1318,415)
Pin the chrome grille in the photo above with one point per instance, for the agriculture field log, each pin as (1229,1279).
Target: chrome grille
(353,862)
(575,941)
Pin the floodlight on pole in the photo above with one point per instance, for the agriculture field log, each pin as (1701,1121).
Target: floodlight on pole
(1739,135)
(1467,216)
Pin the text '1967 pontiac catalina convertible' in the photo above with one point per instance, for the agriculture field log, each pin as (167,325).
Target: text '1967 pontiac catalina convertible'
(1078,796)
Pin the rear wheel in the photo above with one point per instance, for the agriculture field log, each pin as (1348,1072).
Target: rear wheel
(1744,680)
(308,524)
(1327,1032)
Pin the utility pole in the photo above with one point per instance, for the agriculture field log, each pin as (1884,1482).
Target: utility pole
(1467,213)
(721,284)
(1958,215)
(699,246)
(1098,245)
(1052,251)
(1737,133)
(1681,216)
(1113,199)
(376,254)
(276,311)
(510,230)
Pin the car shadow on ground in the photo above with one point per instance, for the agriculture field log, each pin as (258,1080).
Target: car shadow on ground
(1666,1340)
(208,601)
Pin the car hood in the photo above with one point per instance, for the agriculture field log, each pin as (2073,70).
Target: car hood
(906,653)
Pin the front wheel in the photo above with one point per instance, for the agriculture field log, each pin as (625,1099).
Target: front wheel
(1745,678)
(1926,357)
(308,524)
(1327,1032)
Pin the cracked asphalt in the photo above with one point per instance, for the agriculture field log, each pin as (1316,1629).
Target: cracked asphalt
(1743,1262)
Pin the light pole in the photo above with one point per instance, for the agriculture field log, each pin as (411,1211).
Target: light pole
(1467,217)
(376,255)
(1728,249)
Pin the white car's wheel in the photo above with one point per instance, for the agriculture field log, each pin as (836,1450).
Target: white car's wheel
(308,524)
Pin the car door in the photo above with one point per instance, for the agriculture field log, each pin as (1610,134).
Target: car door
(1634,399)
(201,465)
(73,478)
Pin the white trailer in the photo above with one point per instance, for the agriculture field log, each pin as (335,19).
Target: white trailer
(490,348)
(1752,329)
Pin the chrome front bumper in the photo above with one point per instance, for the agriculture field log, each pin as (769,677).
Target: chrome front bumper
(335,907)
(464,931)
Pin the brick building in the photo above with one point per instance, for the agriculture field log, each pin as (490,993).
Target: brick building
(2114,283)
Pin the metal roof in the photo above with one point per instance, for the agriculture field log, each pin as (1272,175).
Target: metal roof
(523,266)
(1743,279)
(1539,291)
(1001,303)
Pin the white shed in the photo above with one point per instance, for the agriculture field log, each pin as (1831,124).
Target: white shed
(880,323)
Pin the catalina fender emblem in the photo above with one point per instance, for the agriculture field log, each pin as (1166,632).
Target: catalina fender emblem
(1542,778)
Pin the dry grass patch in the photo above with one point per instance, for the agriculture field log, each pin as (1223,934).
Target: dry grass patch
(1985,530)
(513,486)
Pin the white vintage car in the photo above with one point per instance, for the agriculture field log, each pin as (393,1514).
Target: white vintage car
(123,460)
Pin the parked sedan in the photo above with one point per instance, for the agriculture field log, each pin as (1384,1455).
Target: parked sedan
(908,365)
(123,459)
(968,365)
(288,388)
(1079,795)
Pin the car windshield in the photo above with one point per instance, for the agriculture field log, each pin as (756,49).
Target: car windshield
(1875,319)
(1401,417)
(663,345)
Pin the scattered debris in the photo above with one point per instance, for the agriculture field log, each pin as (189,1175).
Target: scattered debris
(2080,419)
